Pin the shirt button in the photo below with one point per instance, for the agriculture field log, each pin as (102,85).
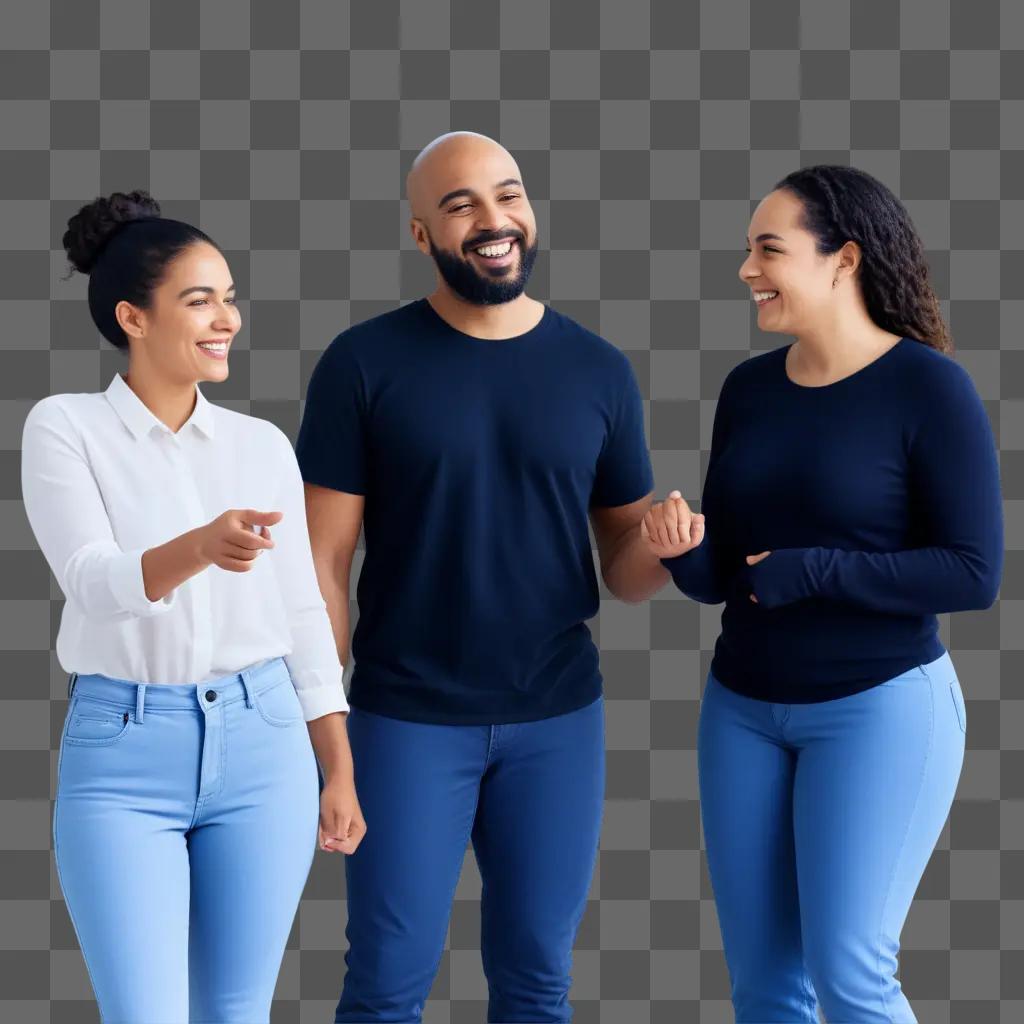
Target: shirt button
(211,694)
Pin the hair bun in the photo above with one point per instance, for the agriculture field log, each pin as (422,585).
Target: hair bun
(91,228)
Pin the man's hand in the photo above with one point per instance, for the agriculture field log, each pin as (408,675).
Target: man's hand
(669,527)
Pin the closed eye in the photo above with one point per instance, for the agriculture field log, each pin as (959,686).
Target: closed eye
(462,206)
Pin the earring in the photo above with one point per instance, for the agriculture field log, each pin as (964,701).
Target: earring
(834,281)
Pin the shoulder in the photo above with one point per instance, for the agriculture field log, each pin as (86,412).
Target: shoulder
(588,348)
(69,412)
(753,372)
(931,380)
(361,341)
(931,365)
(257,432)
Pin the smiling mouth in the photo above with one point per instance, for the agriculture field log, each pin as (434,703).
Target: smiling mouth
(217,350)
(496,253)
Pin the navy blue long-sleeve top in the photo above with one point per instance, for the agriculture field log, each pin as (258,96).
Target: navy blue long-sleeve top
(878,496)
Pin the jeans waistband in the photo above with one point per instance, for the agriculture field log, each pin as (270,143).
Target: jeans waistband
(220,690)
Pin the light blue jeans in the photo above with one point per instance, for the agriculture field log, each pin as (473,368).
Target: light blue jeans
(184,829)
(819,820)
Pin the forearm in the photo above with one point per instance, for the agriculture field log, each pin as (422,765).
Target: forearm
(632,573)
(335,590)
(169,565)
(916,581)
(329,736)
(697,574)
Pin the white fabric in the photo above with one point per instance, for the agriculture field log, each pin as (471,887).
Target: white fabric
(103,480)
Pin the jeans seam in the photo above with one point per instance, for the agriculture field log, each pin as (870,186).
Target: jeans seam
(903,843)
(451,895)
(56,860)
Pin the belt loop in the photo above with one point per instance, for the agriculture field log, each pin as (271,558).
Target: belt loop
(248,684)
(72,679)
(140,701)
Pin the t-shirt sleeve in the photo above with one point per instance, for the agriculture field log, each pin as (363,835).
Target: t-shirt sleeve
(624,472)
(331,443)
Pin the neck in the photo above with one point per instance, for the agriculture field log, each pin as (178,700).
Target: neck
(171,402)
(847,339)
(503,320)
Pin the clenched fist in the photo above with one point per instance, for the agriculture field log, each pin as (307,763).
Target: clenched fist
(236,537)
(670,528)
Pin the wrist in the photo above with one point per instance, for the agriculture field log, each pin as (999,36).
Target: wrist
(197,549)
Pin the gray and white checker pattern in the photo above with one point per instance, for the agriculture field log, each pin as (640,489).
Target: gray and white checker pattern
(646,130)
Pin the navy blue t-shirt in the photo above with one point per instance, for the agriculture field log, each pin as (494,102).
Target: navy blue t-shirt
(879,498)
(479,460)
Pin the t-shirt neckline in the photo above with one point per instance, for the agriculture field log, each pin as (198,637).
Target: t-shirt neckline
(439,321)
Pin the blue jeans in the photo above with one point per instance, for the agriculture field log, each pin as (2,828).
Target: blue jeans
(184,828)
(530,795)
(818,822)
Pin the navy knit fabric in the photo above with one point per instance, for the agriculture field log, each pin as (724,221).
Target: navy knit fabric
(479,460)
(879,498)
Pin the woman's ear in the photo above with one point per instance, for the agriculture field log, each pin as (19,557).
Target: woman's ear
(130,319)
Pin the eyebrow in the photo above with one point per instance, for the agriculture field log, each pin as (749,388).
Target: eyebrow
(766,235)
(468,191)
(206,289)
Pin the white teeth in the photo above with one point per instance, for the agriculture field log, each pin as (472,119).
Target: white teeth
(219,346)
(758,296)
(495,250)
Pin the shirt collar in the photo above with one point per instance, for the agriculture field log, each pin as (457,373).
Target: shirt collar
(140,420)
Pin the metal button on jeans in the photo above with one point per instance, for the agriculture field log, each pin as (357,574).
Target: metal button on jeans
(211,694)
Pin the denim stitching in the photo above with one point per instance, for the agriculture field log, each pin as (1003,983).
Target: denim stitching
(903,841)
(451,895)
(56,852)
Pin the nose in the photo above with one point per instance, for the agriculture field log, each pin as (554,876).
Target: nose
(226,318)
(749,269)
(489,217)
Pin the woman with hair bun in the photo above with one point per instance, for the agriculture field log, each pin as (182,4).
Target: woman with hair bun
(204,751)
(852,495)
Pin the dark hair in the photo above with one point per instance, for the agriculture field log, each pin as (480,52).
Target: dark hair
(843,204)
(124,245)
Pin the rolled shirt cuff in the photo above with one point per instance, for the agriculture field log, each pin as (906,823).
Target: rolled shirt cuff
(126,582)
(320,698)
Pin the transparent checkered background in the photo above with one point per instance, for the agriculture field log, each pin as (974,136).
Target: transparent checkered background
(647,130)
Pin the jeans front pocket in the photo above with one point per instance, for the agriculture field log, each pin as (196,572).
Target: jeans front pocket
(92,724)
(279,703)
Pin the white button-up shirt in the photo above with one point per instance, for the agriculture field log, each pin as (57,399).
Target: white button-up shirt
(103,480)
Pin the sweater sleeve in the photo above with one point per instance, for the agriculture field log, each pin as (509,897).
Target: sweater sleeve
(701,572)
(954,470)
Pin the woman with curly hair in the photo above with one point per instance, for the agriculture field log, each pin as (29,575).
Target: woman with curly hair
(852,494)
(204,748)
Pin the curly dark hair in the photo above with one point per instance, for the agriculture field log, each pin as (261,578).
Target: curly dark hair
(842,204)
(125,246)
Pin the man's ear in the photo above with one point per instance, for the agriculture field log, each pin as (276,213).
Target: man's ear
(419,235)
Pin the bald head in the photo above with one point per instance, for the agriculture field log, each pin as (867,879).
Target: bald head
(454,161)
(466,193)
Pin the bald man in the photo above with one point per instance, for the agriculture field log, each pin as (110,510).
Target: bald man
(471,433)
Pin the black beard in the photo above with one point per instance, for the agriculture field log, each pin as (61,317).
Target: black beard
(464,279)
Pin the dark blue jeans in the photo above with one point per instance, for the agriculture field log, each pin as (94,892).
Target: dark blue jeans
(530,796)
